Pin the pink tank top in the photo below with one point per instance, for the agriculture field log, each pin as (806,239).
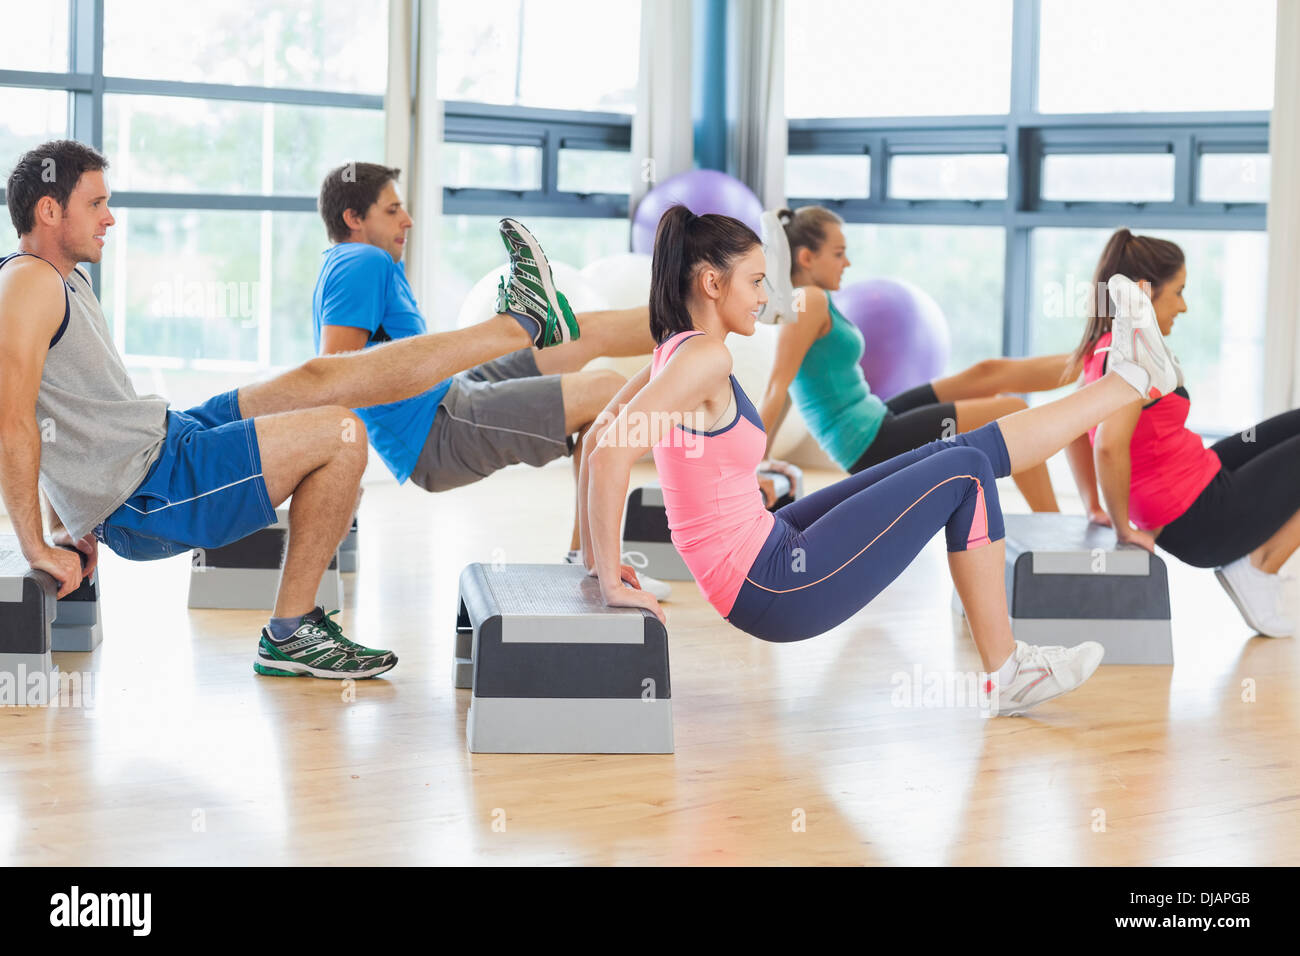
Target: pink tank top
(711,495)
(1170,463)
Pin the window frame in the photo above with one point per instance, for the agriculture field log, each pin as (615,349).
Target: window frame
(87,85)
(1025,135)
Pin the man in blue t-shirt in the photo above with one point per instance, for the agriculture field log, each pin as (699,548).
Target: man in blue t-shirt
(529,406)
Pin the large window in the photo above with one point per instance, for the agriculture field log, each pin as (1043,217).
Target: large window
(997,143)
(217,140)
(1155,55)
(542,53)
(537,125)
(897,57)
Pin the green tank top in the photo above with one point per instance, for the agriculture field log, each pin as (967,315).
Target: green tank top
(833,396)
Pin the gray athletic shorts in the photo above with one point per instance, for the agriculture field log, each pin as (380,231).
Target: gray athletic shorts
(496,414)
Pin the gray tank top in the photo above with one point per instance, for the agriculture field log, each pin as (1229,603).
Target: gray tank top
(98,437)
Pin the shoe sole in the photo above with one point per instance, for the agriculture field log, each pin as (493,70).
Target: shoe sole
(1138,327)
(291,669)
(1241,607)
(544,273)
(770,223)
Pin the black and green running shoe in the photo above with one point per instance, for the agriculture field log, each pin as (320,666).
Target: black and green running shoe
(319,649)
(528,293)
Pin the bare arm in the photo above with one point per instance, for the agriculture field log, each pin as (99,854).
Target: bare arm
(594,435)
(792,344)
(685,383)
(1079,455)
(31,310)
(1114,468)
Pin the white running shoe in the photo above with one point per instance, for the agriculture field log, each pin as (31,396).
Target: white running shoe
(1043,673)
(780,293)
(1142,358)
(661,590)
(1258,596)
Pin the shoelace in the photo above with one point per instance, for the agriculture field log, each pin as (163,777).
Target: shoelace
(636,559)
(333,635)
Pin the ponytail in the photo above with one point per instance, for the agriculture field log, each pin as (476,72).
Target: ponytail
(806,228)
(1138,257)
(683,243)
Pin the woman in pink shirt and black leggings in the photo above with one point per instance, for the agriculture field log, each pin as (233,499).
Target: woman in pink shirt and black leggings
(814,563)
(1234,506)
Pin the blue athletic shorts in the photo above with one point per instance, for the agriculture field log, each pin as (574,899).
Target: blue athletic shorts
(204,491)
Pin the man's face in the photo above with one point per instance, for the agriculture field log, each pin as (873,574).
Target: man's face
(386,223)
(83,227)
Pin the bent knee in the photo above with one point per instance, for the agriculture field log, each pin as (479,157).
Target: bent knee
(969,460)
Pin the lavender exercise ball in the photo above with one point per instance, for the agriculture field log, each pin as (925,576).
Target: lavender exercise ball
(702,191)
(905,331)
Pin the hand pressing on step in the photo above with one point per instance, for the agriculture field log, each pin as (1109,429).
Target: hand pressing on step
(1097,515)
(632,595)
(1143,539)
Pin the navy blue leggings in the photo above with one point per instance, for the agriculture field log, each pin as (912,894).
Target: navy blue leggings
(831,552)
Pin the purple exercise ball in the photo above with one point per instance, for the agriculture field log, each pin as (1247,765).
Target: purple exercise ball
(905,331)
(702,191)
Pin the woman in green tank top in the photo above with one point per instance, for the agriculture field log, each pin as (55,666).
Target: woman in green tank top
(816,365)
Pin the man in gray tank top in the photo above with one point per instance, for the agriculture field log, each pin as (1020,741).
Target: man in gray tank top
(151,481)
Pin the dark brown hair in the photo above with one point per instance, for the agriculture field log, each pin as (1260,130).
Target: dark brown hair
(683,243)
(805,228)
(1138,257)
(51,169)
(354,186)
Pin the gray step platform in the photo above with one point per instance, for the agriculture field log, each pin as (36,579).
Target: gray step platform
(245,574)
(1069,581)
(34,624)
(27,609)
(554,670)
(646,532)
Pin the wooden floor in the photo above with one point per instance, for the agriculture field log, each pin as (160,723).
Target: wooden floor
(785,754)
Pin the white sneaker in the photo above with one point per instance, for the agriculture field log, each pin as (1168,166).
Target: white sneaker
(1043,673)
(1141,357)
(780,294)
(661,590)
(1258,596)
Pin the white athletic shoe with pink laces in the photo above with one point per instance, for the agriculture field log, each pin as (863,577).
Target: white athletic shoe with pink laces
(1041,674)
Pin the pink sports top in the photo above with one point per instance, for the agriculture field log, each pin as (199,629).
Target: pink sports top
(1170,463)
(711,495)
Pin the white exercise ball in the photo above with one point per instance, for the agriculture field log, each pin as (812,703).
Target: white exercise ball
(481,303)
(623,280)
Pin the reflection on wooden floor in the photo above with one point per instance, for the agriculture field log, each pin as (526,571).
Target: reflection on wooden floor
(785,753)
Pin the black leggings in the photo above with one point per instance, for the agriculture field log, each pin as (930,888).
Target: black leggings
(1255,492)
(914,418)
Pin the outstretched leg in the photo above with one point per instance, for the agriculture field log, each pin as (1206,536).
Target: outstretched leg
(618,332)
(385,373)
(998,376)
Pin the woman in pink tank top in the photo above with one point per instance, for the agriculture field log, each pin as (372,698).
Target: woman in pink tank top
(1234,506)
(814,563)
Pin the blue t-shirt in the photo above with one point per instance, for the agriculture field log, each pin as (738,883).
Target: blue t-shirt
(362,287)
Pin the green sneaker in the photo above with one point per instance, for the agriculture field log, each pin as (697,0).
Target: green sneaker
(528,293)
(319,649)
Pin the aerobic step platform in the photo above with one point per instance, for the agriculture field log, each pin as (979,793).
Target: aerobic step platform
(554,670)
(245,574)
(1068,581)
(34,625)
